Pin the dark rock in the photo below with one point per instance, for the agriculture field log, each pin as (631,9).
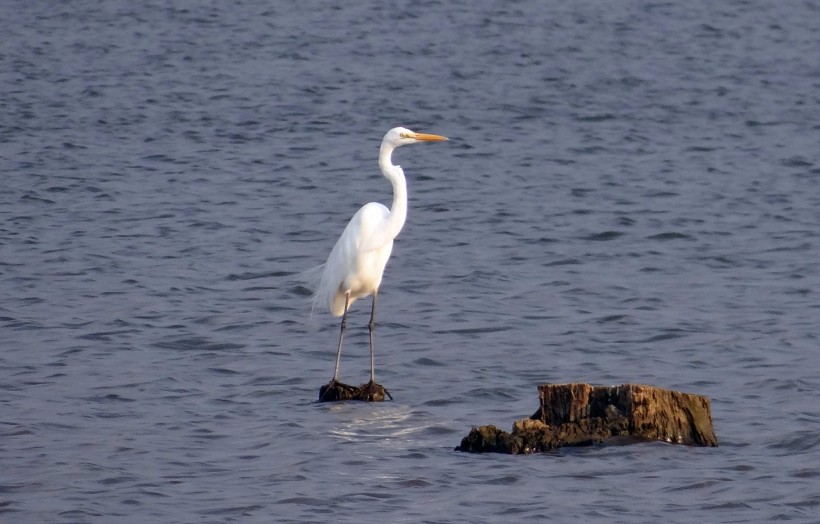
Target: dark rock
(336,391)
(486,439)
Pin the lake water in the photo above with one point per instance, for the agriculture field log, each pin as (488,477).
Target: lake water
(631,193)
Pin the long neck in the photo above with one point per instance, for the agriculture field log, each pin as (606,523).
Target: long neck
(398,211)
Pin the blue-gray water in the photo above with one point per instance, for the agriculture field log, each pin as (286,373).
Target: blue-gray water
(630,195)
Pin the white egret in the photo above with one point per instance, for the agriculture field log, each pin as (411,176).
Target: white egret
(355,266)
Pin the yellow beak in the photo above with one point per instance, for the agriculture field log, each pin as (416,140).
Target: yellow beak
(426,137)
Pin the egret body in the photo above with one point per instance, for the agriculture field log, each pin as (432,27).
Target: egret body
(356,264)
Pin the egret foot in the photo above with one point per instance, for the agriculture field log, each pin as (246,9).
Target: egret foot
(335,390)
(372,392)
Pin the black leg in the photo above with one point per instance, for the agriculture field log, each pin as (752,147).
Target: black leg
(341,338)
(372,326)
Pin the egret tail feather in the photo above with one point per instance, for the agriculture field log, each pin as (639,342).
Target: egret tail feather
(312,279)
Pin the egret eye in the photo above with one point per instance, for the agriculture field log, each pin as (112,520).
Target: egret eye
(405,135)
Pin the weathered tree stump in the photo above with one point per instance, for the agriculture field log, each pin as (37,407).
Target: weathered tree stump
(582,415)
(335,391)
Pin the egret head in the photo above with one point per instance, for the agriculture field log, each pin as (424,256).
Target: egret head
(401,136)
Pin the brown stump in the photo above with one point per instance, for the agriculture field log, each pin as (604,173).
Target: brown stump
(335,391)
(580,414)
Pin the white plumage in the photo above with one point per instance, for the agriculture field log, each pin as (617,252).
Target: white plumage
(356,264)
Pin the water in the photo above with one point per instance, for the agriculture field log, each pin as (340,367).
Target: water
(630,195)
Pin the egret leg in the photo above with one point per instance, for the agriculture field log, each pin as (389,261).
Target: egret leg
(372,326)
(341,338)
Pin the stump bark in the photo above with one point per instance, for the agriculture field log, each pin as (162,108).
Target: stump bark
(580,414)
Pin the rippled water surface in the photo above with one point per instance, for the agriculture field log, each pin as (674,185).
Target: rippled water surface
(630,194)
